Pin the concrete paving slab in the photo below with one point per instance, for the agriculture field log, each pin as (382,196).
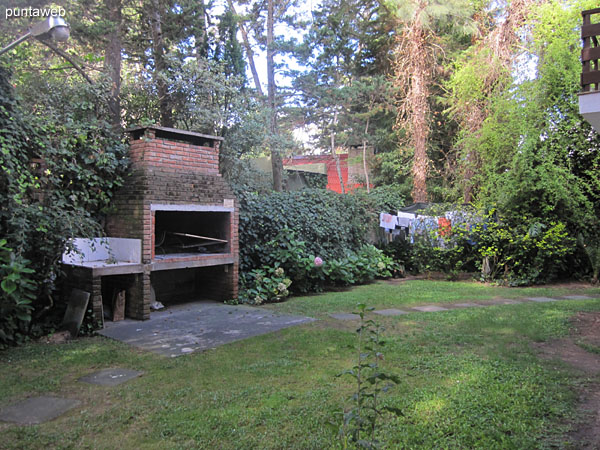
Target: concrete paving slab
(194,326)
(541,299)
(506,301)
(110,377)
(344,316)
(577,297)
(467,305)
(37,410)
(390,312)
(430,308)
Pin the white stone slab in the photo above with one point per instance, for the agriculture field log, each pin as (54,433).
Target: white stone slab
(104,249)
(430,308)
(542,299)
(37,410)
(467,305)
(390,312)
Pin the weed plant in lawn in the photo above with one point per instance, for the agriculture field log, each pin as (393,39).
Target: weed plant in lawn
(469,379)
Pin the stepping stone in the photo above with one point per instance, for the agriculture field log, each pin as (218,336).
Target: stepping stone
(577,297)
(541,299)
(507,302)
(430,308)
(110,377)
(37,410)
(390,312)
(467,305)
(345,316)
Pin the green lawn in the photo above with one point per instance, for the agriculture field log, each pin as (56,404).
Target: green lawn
(469,379)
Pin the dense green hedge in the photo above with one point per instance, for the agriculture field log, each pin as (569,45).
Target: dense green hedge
(330,224)
(283,234)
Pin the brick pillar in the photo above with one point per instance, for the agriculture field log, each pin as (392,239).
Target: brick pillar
(138,297)
(96,299)
(229,288)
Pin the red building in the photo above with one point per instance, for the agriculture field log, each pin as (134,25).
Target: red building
(351,166)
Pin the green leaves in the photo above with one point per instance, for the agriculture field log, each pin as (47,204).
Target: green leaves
(359,424)
(17,292)
(61,162)
(327,223)
(306,272)
(8,286)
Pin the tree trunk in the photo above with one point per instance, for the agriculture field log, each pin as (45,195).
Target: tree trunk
(418,98)
(249,52)
(413,69)
(276,161)
(468,181)
(200,35)
(335,156)
(112,61)
(158,53)
(365,169)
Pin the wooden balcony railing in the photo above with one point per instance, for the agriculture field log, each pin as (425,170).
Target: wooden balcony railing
(590,54)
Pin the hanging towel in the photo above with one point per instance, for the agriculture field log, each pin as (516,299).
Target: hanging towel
(404,219)
(387,221)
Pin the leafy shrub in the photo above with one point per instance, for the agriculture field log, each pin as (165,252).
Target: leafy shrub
(290,267)
(516,254)
(329,224)
(292,255)
(383,198)
(449,254)
(359,267)
(61,162)
(264,285)
(522,255)
(17,291)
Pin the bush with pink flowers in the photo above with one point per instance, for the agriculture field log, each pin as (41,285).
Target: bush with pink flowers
(287,262)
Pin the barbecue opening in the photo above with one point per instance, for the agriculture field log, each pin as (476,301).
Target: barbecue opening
(191,233)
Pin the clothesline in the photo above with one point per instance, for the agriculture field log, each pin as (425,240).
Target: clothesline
(412,225)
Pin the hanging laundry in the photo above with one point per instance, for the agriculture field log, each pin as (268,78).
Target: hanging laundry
(404,219)
(387,221)
(422,226)
(444,226)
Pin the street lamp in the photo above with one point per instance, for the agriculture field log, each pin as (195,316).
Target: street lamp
(53,28)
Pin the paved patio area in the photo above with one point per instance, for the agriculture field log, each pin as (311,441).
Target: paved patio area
(186,328)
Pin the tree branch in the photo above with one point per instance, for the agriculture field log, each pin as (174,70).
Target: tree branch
(66,56)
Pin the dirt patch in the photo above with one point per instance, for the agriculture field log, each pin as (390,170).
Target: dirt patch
(435,276)
(586,434)
(572,351)
(567,284)
(405,279)
(586,326)
(567,351)
(59,337)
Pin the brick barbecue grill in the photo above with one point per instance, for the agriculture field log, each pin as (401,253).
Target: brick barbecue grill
(184,213)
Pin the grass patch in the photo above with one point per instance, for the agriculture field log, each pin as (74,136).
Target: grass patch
(384,294)
(469,379)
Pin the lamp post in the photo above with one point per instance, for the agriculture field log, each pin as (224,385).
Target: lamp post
(53,28)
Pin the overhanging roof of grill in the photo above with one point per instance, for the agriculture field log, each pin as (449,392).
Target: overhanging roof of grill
(174,134)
